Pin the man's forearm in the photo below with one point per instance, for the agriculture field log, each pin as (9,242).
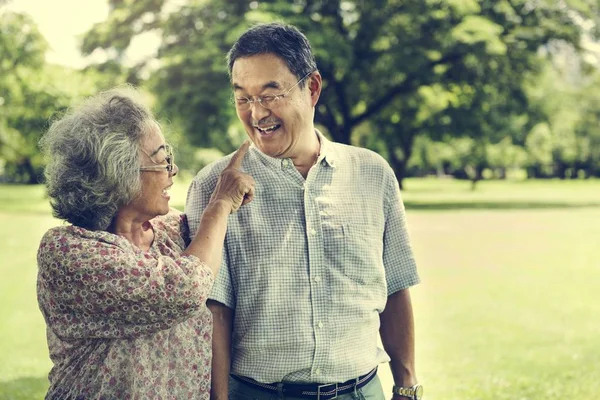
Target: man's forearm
(221,347)
(398,338)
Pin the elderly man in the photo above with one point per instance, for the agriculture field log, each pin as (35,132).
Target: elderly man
(320,262)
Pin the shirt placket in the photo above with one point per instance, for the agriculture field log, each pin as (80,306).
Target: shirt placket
(317,277)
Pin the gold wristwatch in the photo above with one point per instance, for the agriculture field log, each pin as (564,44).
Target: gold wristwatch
(413,393)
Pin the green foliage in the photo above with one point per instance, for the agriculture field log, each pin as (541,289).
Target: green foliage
(22,103)
(31,93)
(126,19)
(374,55)
(564,109)
(393,70)
(588,128)
(192,84)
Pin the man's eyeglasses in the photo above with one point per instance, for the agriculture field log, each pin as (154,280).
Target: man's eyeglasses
(270,102)
(159,167)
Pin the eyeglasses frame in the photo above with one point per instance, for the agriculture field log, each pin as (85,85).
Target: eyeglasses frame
(170,159)
(261,99)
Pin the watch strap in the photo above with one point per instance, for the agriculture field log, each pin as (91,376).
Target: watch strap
(408,392)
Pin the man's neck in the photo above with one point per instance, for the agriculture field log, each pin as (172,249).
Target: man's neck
(308,156)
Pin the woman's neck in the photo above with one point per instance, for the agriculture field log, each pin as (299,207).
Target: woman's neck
(137,231)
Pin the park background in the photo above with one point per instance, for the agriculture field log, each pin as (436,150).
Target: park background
(486,110)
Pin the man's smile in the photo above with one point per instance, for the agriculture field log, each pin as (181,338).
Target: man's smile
(267,130)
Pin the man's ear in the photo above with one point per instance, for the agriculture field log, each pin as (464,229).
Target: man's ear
(315,84)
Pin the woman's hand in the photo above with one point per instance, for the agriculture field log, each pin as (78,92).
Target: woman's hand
(234,186)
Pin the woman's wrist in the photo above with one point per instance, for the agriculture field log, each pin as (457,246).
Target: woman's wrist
(219,206)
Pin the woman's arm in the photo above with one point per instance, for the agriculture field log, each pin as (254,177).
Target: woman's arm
(92,284)
(233,189)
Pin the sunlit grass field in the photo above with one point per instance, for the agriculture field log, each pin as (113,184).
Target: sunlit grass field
(508,306)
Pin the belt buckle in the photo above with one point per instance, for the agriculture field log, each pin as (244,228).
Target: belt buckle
(327,384)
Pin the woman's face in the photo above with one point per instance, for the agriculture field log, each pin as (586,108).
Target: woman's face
(155,178)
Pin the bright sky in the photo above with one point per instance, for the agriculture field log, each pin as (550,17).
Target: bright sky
(63,23)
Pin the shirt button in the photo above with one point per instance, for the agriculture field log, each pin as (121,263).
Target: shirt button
(313,232)
(317,279)
(320,324)
(285,163)
(318,371)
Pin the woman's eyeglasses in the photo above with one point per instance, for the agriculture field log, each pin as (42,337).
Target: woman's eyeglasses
(169,159)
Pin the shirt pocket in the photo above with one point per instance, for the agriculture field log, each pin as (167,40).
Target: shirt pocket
(355,250)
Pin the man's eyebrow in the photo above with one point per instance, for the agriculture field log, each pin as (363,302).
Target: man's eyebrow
(268,85)
(162,147)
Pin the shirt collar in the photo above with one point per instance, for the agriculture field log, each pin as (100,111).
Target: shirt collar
(268,161)
(327,154)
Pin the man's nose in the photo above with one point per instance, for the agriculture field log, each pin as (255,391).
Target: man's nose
(259,111)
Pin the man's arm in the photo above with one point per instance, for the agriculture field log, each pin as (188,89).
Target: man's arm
(221,346)
(398,338)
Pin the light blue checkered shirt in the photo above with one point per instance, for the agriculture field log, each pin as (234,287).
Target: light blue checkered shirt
(308,264)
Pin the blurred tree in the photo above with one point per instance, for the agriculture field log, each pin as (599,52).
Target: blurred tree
(21,102)
(540,147)
(430,158)
(504,156)
(564,104)
(191,83)
(404,67)
(588,128)
(442,68)
(31,92)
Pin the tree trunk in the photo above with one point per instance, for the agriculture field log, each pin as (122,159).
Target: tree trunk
(502,173)
(399,164)
(561,170)
(407,140)
(399,167)
(341,133)
(477,176)
(28,172)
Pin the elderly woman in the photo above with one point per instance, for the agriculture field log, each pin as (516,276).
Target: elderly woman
(122,288)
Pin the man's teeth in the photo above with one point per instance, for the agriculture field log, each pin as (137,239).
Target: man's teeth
(268,128)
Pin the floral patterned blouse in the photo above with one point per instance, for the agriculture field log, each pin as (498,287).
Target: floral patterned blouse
(123,323)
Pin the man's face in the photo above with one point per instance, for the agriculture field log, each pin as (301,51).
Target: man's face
(284,130)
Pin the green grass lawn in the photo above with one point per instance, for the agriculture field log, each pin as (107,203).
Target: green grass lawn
(507,308)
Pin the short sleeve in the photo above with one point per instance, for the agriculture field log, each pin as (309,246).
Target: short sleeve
(398,256)
(198,197)
(223,288)
(194,205)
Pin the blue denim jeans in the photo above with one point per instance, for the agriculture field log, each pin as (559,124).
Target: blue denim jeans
(243,391)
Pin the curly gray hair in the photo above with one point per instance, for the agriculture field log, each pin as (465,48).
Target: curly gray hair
(93,157)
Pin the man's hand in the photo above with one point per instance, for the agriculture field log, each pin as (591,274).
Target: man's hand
(234,186)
